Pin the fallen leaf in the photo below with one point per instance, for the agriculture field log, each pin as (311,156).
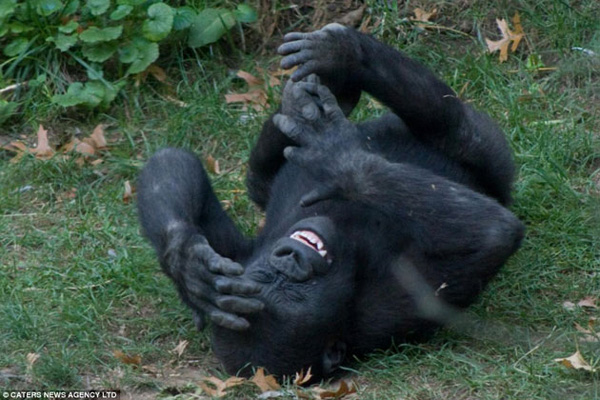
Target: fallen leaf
(256,98)
(568,305)
(588,302)
(180,348)
(127,196)
(157,72)
(508,37)
(422,16)
(353,17)
(212,165)
(265,382)
(301,379)
(341,392)
(250,79)
(127,359)
(98,141)
(31,359)
(575,361)
(220,386)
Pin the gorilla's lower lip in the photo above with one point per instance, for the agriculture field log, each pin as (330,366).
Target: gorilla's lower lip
(310,239)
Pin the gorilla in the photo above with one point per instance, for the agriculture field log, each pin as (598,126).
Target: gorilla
(371,230)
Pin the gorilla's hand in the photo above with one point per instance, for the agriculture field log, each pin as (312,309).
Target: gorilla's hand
(210,284)
(328,143)
(334,54)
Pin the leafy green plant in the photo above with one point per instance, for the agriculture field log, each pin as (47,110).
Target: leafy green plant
(109,40)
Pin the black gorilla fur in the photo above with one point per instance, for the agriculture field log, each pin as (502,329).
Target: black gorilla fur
(365,223)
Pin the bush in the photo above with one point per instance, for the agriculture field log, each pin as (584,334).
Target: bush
(108,40)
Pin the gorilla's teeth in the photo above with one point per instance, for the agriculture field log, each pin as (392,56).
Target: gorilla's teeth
(311,240)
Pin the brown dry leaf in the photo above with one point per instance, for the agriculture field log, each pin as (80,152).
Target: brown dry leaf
(97,139)
(575,361)
(256,98)
(220,386)
(353,17)
(301,379)
(127,359)
(265,382)
(250,79)
(588,302)
(180,348)
(508,37)
(42,150)
(31,359)
(157,72)
(127,197)
(422,16)
(16,147)
(344,390)
(212,165)
(590,335)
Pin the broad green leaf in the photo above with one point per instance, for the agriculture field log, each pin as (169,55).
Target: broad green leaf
(128,53)
(245,13)
(159,22)
(94,34)
(90,94)
(98,7)
(130,2)
(183,18)
(99,52)
(110,92)
(147,53)
(48,7)
(19,27)
(121,12)
(71,8)
(64,42)
(16,47)
(7,7)
(209,26)
(3,28)
(69,27)
(94,72)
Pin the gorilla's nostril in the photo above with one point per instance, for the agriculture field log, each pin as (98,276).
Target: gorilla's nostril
(289,262)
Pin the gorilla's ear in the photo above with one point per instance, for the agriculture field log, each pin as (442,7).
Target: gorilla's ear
(333,356)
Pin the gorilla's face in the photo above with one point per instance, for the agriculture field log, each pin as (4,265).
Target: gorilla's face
(307,284)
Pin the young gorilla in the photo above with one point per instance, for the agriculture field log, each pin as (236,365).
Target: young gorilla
(372,230)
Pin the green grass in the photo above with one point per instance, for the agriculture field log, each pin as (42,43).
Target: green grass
(77,281)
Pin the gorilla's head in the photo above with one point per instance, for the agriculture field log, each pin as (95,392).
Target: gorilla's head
(307,285)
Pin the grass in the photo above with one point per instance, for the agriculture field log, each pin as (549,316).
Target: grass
(78,282)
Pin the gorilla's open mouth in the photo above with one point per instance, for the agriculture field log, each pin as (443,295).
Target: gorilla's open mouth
(310,239)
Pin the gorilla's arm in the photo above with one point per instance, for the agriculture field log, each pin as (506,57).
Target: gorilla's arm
(192,236)
(427,105)
(443,217)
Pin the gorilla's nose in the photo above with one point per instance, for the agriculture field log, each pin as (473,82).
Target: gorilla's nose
(290,258)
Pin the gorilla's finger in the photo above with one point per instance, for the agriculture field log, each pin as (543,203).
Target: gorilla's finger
(292,47)
(292,129)
(317,195)
(298,155)
(294,59)
(236,286)
(309,67)
(229,321)
(313,78)
(241,305)
(295,36)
